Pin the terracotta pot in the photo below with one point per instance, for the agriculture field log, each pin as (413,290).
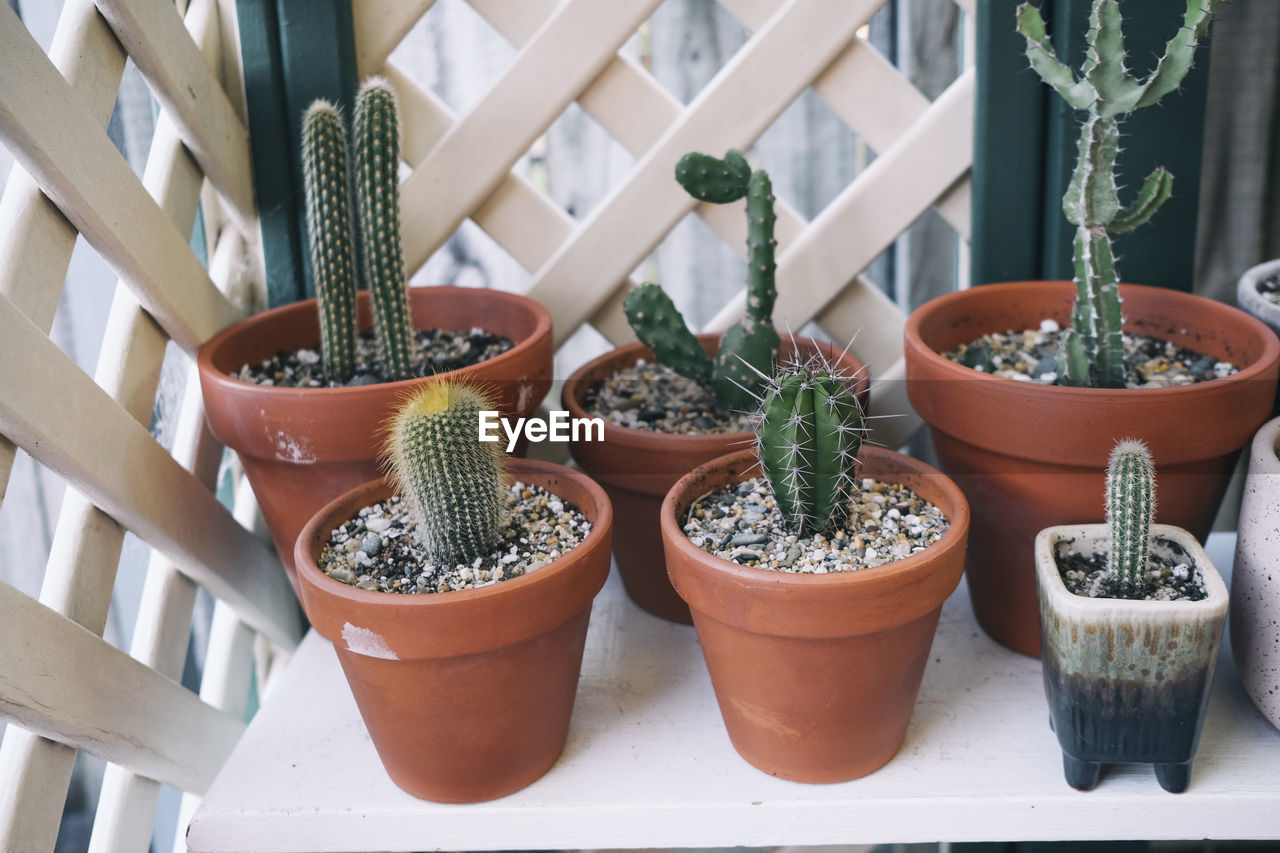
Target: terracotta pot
(1255,580)
(1031,456)
(1127,681)
(816,675)
(467,694)
(302,447)
(638,467)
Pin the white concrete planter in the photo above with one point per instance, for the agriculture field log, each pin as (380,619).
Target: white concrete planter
(1249,299)
(1127,681)
(1255,581)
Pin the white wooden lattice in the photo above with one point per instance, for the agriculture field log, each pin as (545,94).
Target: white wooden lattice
(67,688)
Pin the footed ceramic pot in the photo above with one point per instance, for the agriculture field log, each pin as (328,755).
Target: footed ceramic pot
(1032,456)
(638,467)
(302,447)
(466,694)
(1255,580)
(1127,681)
(816,676)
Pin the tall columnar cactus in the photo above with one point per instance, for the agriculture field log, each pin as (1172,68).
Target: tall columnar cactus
(1130,510)
(324,170)
(750,347)
(452,480)
(1092,351)
(377,142)
(809,432)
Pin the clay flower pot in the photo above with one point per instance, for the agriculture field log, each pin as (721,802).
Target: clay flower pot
(1032,456)
(302,447)
(816,675)
(1127,681)
(638,467)
(1255,580)
(466,694)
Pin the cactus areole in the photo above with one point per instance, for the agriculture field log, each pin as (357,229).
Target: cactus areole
(749,349)
(1092,350)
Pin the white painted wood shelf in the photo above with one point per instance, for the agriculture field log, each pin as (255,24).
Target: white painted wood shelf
(648,764)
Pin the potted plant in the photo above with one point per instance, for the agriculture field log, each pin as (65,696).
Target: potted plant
(1258,292)
(815,589)
(1131,613)
(675,400)
(457,594)
(1030,454)
(306,427)
(1255,578)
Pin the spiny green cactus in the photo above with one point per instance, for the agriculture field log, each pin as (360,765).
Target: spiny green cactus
(1092,350)
(377,135)
(1130,510)
(453,481)
(809,432)
(324,171)
(750,347)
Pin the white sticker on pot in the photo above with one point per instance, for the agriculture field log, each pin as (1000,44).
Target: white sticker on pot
(362,641)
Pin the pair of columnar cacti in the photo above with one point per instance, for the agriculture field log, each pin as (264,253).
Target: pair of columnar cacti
(1092,350)
(329,218)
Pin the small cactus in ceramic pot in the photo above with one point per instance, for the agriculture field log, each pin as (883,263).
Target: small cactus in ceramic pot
(454,483)
(329,221)
(808,435)
(751,346)
(1092,349)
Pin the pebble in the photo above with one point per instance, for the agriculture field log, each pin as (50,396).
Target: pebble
(653,397)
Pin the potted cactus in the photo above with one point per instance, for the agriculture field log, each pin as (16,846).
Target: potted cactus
(310,432)
(467,597)
(815,568)
(1031,454)
(675,400)
(1131,613)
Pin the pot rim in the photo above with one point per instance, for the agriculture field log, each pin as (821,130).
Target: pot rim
(953,370)
(1265,449)
(827,601)
(262,323)
(516,468)
(1092,609)
(581,380)
(1248,297)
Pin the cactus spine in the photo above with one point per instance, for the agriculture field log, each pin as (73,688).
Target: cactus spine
(377,136)
(324,170)
(1130,510)
(453,482)
(810,429)
(1092,350)
(750,347)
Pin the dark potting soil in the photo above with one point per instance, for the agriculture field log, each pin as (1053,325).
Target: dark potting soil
(743,524)
(654,397)
(1031,355)
(378,549)
(1270,288)
(1174,575)
(439,350)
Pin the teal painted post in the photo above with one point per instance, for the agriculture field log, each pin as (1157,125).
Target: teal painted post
(293,51)
(1025,148)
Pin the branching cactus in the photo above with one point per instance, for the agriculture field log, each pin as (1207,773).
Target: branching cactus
(750,347)
(453,481)
(810,429)
(324,169)
(1130,510)
(1092,350)
(377,142)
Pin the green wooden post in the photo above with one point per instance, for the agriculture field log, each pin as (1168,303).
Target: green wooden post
(293,51)
(1025,144)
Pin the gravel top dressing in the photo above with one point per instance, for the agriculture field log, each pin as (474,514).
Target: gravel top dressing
(439,350)
(654,397)
(743,524)
(1270,288)
(1174,575)
(378,549)
(1032,356)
